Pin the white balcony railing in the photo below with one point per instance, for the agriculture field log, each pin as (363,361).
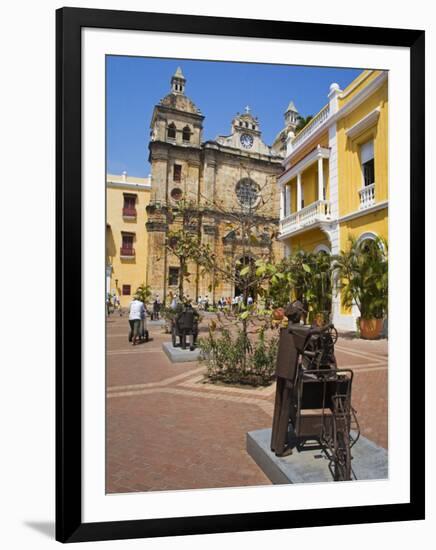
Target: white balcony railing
(311,127)
(367,196)
(318,211)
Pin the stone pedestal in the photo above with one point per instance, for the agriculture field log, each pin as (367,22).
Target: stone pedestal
(179,355)
(157,323)
(311,466)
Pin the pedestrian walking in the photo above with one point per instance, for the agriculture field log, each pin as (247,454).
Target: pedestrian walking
(156,309)
(136,309)
(143,327)
(117,304)
(108,304)
(174,302)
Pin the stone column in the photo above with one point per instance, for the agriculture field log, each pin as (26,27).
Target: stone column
(287,200)
(298,191)
(282,202)
(333,96)
(320,180)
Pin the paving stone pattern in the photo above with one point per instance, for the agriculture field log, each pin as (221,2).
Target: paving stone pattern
(168,430)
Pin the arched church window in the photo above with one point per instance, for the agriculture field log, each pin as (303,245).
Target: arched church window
(171,132)
(247,192)
(186,134)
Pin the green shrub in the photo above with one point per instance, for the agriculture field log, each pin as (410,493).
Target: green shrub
(236,360)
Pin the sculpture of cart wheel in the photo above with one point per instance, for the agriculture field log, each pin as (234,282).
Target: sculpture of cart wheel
(341,444)
(342,459)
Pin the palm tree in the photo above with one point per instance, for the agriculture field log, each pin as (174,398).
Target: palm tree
(311,278)
(302,122)
(362,277)
(143,293)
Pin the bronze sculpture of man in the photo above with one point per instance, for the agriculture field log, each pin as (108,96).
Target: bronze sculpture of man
(286,367)
(187,324)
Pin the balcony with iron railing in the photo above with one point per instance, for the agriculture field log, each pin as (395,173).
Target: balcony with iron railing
(129,212)
(318,211)
(127,252)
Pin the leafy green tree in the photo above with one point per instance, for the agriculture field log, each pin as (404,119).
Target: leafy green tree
(143,292)
(250,233)
(184,242)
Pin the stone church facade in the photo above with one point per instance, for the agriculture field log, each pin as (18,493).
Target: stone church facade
(228,174)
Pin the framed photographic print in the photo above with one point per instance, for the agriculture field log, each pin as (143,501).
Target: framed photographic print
(240,230)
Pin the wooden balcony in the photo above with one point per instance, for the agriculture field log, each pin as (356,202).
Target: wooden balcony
(129,212)
(127,252)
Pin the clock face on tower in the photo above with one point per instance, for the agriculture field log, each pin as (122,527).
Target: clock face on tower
(246,141)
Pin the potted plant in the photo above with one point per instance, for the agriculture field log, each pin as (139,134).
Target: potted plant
(362,275)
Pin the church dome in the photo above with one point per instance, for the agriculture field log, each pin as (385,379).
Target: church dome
(180,103)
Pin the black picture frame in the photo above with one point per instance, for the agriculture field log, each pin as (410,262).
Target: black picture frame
(69,525)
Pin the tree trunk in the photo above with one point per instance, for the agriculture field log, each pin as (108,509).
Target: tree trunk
(181,278)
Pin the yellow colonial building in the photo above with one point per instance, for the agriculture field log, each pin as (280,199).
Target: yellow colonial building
(335,179)
(126,238)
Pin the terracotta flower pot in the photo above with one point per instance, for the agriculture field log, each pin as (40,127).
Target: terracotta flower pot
(370,329)
(278,314)
(319,320)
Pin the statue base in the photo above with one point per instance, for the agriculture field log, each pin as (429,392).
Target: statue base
(311,465)
(157,323)
(179,355)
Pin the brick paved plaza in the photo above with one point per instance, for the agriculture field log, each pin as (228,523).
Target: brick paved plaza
(168,430)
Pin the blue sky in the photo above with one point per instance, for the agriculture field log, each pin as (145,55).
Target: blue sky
(219,89)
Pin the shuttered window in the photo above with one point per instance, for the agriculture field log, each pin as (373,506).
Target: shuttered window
(367,162)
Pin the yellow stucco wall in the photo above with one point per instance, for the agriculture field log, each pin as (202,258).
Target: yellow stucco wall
(308,240)
(349,165)
(127,271)
(376,222)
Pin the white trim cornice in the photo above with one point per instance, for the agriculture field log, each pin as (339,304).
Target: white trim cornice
(363,94)
(364,124)
(131,186)
(357,84)
(364,211)
(320,224)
